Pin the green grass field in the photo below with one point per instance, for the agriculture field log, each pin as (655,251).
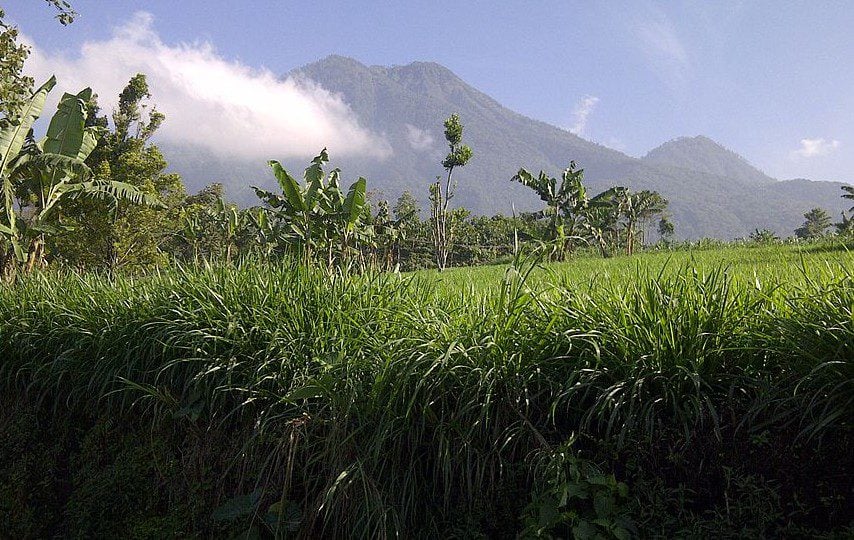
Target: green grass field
(664,395)
(787,264)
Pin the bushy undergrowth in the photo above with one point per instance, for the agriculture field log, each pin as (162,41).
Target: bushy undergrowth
(292,402)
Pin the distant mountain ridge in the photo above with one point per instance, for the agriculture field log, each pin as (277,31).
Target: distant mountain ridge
(712,191)
(702,154)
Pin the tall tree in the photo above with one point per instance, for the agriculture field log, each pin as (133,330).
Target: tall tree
(816,224)
(42,178)
(638,208)
(126,237)
(459,154)
(413,244)
(666,229)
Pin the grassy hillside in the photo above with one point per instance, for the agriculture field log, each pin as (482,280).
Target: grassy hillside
(695,394)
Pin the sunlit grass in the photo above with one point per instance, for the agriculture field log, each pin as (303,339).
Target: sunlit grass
(383,404)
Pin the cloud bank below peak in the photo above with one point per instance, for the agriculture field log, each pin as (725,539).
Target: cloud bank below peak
(212,102)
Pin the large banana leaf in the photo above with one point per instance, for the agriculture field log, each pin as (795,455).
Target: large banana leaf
(91,135)
(290,187)
(314,178)
(113,192)
(12,136)
(66,130)
(50,164)
(355,201)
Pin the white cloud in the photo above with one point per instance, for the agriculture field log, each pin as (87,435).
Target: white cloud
(816,147)
(419,139)
(658,39)
(582,112)
(209,101)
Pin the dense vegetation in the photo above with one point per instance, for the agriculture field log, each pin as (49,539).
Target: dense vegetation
(173,365)
(690,394)
(714,195)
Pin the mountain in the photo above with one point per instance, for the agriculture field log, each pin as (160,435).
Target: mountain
(705,155)
(712,191)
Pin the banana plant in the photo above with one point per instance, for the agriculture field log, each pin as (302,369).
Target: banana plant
(566,205)
(315,217)
(13,135)
(38,176)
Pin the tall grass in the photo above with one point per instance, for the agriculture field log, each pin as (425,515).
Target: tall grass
(387,405)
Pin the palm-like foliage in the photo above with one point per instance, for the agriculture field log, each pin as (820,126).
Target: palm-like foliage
(601,220)
(566,205)
(38,176)
(315,218)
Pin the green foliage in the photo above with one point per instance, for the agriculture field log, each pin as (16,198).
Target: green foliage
(604,220)
(41,177)
(15,88)
(666,229)
(574,498)
(441,221)
(317,221)
(764,236)
(816,224)
(130,237)
(386,404)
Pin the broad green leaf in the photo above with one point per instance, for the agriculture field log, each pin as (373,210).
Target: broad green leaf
(237,507)
(290,187)
(66,130)
(314,178)
(355,201)
(90,140)
(114,192)
(12,136)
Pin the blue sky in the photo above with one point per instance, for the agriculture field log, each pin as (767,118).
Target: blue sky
(773,81)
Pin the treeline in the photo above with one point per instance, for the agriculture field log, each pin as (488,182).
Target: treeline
(95,195)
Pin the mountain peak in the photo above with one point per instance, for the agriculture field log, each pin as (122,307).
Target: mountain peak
(333,62)
(429,69)
(700,153)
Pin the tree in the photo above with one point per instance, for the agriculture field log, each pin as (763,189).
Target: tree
(666,229)
(126,237)
(637,209)
(566,205)
(15,87)
(41,177)
(415,242)
(763,236)
(459,154)
(848,193)
(816,224)
(845,227)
